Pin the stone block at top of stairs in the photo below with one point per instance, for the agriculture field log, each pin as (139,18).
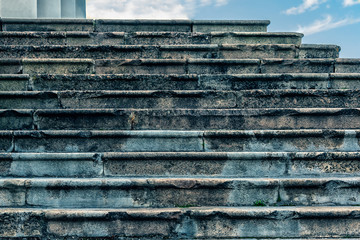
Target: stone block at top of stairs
(30,25)
(143,25)
(189,223)
(180,26)
(230,26)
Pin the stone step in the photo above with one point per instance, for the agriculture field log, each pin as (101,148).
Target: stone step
(180,164)
(177,66)
(212,51)
(194,99)
(46,82)
(102,25)
(14,82)
(54,141)
(175,192)
(180,119)
(187,223)
(147,38)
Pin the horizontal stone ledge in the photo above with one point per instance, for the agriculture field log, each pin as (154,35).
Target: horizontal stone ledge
(319,212)
(78,38)
(195,99)
(217,51)
(331,133)
(109,133)
(182,156)
(9,24)
(183,119)
(14,77)
(168,182)
(172,223)
(220,112)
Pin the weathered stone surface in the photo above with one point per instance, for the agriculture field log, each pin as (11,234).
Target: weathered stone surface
(281,140)
(107,141)
(214,119)
(319,51)
(297,66)
(230,26)
(190,99)
(10,66)
(41,25)
(115,82)
(209,223)
(177,192)
(16,119)
(181,141)
(220,66)
(83,38)
(58,66)
(347,65)
(52,165)
(256,38)
(14,82)
(45,82)
(143,25)
(147,115)
(269,81)
(180,164)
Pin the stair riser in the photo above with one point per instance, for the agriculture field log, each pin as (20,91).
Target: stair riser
(186,167)
(179,120)
(243,82)
(90,25)
(176,82)
(73,141)
(55,101)
(238,52)
(176,224)
(192,100)
(113,82)
(193,66)
(176,192)
(82,38)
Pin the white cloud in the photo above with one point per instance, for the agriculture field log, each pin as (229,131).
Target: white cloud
(305,6)
(145,9)
(348,3)
(326,24)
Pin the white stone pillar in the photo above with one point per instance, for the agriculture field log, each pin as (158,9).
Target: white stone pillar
(80,9)
(68,9)
(49,8)
(18,8)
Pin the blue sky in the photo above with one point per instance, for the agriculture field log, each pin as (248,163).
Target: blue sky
(322,21)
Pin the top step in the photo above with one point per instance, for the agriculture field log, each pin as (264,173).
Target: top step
(90,25)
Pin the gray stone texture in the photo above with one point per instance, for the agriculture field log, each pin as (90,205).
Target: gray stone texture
(175,129)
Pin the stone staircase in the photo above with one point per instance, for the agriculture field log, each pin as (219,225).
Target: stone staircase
(115,129)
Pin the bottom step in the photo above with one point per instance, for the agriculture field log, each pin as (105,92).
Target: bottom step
(182,223)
